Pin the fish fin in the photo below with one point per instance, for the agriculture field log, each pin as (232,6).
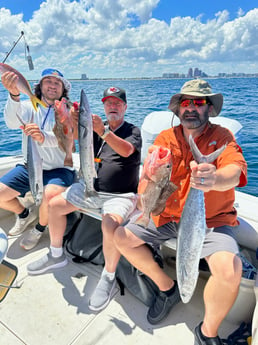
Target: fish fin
(172,186)
(35,101)
(164,195)
(143,221)
(199,157)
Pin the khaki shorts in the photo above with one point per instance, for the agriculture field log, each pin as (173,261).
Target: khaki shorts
(121,204)
(220,239)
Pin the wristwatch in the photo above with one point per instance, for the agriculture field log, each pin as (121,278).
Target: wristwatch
(106,132)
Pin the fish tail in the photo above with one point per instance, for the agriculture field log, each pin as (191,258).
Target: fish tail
(91,193)
(199,157)
(68,161)
(35,101)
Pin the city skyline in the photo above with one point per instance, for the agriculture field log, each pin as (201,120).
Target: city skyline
(131,38)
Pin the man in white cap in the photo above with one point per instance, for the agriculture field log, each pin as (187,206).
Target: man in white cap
(194,105)
(56,177)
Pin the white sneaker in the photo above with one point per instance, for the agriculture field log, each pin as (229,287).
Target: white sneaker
(21,224)
(102,293)
(31,239)
(46,263)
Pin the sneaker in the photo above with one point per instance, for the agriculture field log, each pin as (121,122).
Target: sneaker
(200,339)
(102,293)
(46,263)
(162,306)
(21,224)
(31,239)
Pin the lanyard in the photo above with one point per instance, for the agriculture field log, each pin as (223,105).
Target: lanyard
(45,118)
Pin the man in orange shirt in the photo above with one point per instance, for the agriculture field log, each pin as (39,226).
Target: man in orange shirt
(194,105)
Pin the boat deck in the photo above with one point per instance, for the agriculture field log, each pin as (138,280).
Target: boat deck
(52,308)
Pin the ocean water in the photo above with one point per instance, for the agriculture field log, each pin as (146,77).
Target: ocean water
(145,96)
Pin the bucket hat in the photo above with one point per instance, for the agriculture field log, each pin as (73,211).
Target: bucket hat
(114,92)
(52,72)
(197,88)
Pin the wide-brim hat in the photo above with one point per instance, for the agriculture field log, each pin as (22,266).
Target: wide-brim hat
(197,88)
(114,92)
(51,72)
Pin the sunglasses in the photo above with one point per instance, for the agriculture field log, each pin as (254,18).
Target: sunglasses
(198,102)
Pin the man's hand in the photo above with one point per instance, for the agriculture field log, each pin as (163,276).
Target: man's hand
(9,81)
(33,130)
(98,125)
(203,176)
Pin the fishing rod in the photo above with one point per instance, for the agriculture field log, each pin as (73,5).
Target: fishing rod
(28,57)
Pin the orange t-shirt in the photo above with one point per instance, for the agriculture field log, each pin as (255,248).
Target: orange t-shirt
(219,205)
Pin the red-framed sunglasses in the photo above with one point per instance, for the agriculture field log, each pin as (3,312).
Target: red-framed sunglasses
(198,102)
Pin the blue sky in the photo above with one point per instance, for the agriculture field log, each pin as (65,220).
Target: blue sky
(132,38)
(164,10)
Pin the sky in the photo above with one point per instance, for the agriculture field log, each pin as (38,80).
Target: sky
(130,38)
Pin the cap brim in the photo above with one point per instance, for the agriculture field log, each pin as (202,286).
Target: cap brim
(113,96)
(66,83)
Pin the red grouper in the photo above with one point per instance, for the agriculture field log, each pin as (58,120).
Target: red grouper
(63,129)
(155,186)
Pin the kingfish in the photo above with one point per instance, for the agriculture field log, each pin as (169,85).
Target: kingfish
(155,186)
(85,133)
(23,85)
(63,130)
(191,231)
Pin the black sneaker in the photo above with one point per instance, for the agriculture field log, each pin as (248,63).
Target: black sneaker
(162,305)
(200,339)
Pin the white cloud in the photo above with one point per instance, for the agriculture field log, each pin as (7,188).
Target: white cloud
(100,38)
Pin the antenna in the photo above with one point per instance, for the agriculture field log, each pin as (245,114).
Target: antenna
(14,44)
(27,51)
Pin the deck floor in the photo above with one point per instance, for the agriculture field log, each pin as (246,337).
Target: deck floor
(52,309)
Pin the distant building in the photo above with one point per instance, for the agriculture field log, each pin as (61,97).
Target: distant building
(196,73)
(173,75)
(190,73)
(84,76)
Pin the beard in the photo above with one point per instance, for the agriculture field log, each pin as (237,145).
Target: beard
(192,119)
(114,117)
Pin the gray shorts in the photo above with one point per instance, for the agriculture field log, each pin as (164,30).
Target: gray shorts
(121,204)
(220,239)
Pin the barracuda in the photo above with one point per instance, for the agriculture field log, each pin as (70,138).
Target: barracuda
(85,132)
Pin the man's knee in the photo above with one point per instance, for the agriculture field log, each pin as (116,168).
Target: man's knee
(122,238)
(227,267)
(109,223)
(51,191)
(55,203)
